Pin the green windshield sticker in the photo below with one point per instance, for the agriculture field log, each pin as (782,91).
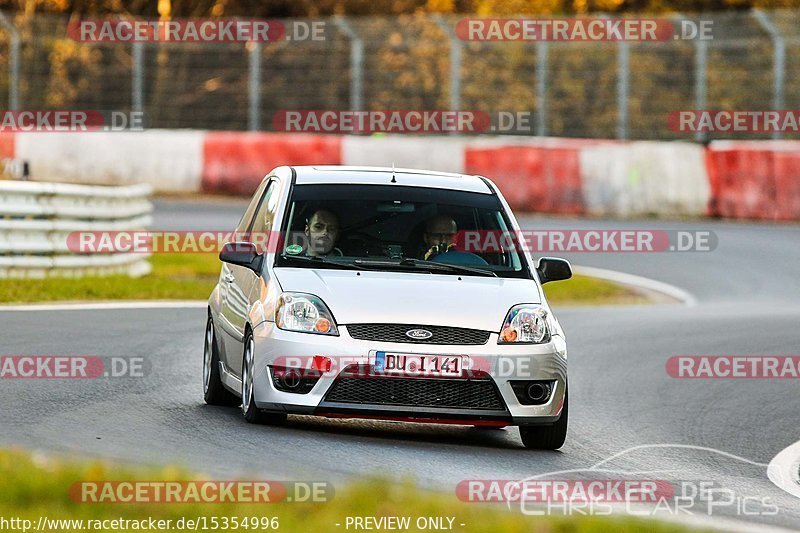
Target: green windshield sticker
(294,249)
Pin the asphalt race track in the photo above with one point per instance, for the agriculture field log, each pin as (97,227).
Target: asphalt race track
(748,302)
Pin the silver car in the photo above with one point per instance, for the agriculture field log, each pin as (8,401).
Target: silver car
(395,294)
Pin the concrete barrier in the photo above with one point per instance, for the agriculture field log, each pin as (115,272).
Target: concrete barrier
(7,145)
(532,178)
(645,178)
(442,153)
(167,160)
(752,179)
(757,180)
(236,162)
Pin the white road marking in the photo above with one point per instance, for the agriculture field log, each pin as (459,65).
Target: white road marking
(93,306)
(783,470)
(624,278)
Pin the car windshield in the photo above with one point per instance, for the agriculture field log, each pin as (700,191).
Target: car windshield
(398,228)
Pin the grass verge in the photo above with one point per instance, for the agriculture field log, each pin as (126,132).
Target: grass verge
(192,277)
(37,486)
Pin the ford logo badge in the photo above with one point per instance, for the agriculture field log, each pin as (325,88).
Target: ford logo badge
(419,334)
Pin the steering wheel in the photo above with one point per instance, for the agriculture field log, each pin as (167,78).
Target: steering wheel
(364,244)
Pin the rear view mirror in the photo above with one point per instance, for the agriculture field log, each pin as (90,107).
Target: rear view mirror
(553,269)
(242,254)
(396,207)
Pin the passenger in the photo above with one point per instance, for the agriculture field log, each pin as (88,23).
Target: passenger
(439,234)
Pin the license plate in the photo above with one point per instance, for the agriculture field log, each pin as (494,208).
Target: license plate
(420,365)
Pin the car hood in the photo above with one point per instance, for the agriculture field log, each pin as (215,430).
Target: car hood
(356,297)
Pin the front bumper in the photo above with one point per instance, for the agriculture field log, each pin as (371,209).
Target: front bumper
(500,364)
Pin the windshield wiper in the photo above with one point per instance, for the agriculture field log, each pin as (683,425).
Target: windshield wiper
(453,268)
(319,260)
(424,265)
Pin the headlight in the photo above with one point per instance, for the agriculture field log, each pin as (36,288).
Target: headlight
(297,311)
(526,324)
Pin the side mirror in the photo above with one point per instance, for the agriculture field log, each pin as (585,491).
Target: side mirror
(242,254)
(553,269)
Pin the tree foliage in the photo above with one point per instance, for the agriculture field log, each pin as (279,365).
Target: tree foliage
(315,8)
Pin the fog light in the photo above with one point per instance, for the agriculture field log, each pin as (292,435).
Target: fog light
(294,380)
(533,392)
(538,391)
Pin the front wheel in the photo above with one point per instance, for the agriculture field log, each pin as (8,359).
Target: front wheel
(251,413)
(214,393)
(547,437)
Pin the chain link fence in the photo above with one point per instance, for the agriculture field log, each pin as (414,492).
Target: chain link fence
(571,89)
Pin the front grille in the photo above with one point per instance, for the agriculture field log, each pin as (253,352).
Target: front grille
(397,333)
(454,393)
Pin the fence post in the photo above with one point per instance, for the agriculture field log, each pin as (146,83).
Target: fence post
(700,81)
(778,63)
(542,49)
(254,86)
(623,85)
(13,64)
(356,63)
(137,77)
(455,63)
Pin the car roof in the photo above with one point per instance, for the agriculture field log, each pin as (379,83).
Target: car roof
(356,175)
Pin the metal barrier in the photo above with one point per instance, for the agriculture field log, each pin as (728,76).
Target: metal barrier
(36,220)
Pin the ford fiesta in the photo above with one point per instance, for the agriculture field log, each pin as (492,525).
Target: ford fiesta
(386,293)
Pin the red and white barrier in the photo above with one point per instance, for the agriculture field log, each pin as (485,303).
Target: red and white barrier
(532,178)
(236,162)
(753,179)
(758,180)
(6,145)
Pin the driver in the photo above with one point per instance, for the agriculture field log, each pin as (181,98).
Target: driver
(439,234)
(322,230)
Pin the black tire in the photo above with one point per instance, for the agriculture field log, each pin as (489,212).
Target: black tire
(251,413)
(550,437)
(214,392)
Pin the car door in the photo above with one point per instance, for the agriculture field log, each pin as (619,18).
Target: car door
(231,343)
(245,286)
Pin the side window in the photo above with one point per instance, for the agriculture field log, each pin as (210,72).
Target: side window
(244,223)
(262,223)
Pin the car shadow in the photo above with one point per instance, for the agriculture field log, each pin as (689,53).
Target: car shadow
(387,430)
(408,432)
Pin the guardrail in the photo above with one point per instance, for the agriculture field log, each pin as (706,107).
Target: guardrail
(36,220)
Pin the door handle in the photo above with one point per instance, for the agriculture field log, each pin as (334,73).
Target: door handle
(229,278)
